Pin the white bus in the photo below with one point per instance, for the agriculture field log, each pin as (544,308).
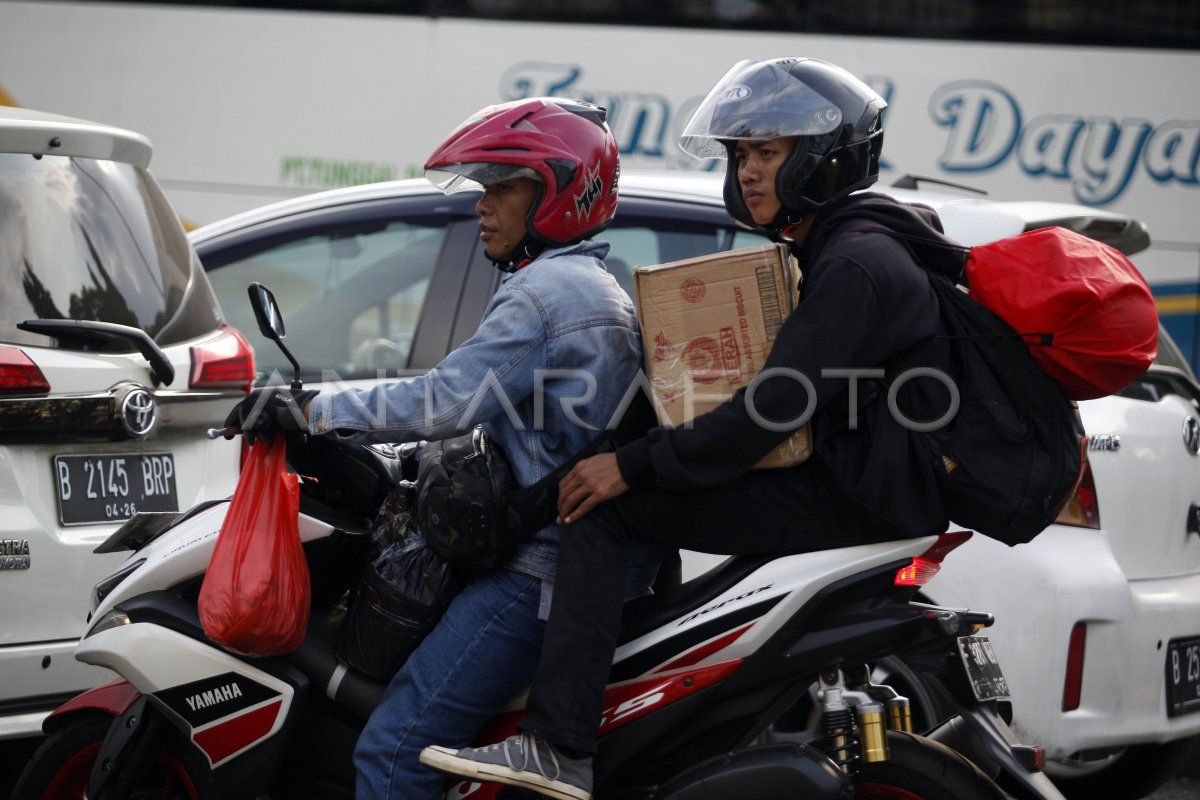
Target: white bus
(1088,101)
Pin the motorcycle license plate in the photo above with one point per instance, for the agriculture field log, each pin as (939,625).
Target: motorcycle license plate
(112,487)
(982,668)
(1183,677)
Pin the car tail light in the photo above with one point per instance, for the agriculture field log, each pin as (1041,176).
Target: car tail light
(1073,683)
(925,566)
(18,373)
(1083,509)
(224,363)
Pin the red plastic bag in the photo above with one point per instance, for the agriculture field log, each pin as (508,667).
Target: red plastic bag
(1088,297)
(256,594)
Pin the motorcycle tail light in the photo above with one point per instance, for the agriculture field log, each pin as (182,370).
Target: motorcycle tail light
(18,373)
(922,568)
(1083,509)
(1073,683)
(224,363)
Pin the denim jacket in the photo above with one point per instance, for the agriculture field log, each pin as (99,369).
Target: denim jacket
(556,350)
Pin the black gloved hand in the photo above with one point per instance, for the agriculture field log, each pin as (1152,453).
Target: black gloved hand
(269,410)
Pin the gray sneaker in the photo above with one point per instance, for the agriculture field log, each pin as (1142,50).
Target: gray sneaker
(523,760)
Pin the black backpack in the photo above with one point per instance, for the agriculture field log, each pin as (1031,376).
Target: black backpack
(1013,454)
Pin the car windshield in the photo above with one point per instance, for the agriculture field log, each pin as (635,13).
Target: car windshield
(95,240)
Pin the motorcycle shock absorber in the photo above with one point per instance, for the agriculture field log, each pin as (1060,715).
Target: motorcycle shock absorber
(854,724)
(898,707)
(840,742)
(872,732)
(899,714)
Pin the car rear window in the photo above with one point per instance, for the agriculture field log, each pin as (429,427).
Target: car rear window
(95,240)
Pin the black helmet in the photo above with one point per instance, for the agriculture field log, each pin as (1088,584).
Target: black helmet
(837,118)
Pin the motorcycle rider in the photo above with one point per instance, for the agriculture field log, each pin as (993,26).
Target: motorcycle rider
(800,136)
(560,326)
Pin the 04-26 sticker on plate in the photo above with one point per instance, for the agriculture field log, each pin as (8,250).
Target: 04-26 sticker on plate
(108,487)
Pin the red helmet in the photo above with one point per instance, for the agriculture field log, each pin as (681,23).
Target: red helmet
(564,145)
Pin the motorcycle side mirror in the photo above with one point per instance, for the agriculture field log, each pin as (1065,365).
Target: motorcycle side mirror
(266,312)
(270,324)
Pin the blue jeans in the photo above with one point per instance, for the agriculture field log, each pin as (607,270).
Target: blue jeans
(481,655)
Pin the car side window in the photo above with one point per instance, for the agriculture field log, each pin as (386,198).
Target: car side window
(1169,374)
(743,238)
(352,296)
(631,247)
(1169,354)
(644,243)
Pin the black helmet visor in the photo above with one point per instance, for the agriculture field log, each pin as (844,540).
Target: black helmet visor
(757,101)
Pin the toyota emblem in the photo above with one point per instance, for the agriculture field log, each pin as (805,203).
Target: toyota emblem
(138,413)
(1191,434)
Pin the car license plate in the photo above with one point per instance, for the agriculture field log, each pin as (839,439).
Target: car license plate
(982,668)
(1183,677)
(112,487)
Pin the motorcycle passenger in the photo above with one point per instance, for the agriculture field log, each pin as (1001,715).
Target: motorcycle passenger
(800,136)
(558,328)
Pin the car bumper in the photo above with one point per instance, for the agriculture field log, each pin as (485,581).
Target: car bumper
(1038,592)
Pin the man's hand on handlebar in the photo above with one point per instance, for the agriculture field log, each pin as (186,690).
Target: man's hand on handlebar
(269,410)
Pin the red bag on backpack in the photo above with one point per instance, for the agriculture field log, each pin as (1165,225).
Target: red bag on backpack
(256,594)
(1089,301)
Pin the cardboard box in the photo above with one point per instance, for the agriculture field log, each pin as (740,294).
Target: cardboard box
(707,326)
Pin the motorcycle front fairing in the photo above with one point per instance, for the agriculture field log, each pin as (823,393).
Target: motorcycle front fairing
(145,627)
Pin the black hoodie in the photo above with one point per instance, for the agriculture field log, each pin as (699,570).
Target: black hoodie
(865,304)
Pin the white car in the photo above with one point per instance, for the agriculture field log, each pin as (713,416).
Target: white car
(391,276)
(1098,620)
(114,359)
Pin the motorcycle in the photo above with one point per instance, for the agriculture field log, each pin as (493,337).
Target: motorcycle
(709,676)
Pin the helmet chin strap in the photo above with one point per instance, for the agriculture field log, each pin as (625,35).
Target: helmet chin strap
(785,229)
(786,218)
(526,250)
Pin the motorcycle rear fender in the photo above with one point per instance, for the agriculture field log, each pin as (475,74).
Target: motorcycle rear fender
(777,770)
(113,698)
